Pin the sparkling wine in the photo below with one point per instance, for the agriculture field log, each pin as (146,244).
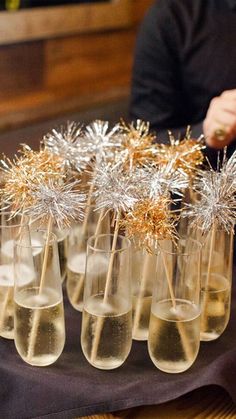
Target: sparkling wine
(36,240)
(39,326)
(75,280)
(76,275)
(6,301)
(7,249)
(62,251)
(141,317)
(6,312)
(215,307)
(62,236)
(174,333)
(6,297)
(109,324)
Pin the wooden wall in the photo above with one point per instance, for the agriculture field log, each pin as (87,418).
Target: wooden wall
(44,78)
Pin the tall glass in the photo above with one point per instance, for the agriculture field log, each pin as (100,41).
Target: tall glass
(62,241)
(62,238)
(143,268)
(185,226)
(217,264)
(96,222)
(11,229)
(106,336)
(39,312)
(174,329)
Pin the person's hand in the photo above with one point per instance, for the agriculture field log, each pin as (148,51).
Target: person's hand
(219,126)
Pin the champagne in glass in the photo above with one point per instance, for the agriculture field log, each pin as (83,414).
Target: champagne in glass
(76,255)
(39,314)
(106,335)
(115,339)
(11,228)
(216,282)
(62,237)
(174,328)
(75,279)
(168,326)
(216,303)
(47,311)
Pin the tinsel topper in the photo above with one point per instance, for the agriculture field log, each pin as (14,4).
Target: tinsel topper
(68,143)
(24,173)
(63,203)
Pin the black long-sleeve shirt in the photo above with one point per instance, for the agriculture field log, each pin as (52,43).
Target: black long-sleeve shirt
(185,55)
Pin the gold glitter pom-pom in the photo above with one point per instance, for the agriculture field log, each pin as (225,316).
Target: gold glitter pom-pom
(24,173)
(137,143)
(186,154)
(150,221)
(42,161)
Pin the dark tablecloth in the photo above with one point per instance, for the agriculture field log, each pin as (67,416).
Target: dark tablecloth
(72,388)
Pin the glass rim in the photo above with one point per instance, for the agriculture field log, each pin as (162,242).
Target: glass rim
(98,249)
(53,238)
(21,224)
(179,253)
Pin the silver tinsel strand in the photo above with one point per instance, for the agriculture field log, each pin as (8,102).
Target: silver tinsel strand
(229,167)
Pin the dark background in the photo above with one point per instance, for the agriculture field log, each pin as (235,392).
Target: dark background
(23,4)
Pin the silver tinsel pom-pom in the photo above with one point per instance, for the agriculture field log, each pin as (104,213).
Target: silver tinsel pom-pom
(101,142)
(63,203)
(114,188)
(68,143)
(164,179)
(217,204)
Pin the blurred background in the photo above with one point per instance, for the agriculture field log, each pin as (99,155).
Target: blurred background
(64,60)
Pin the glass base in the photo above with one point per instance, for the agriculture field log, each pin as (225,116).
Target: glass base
(208,336)
(7,334)
(172,368)
(141,335)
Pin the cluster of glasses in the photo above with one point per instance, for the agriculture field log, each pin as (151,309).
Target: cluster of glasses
(171,296)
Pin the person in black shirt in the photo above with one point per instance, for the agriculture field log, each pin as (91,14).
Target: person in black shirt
(184,69)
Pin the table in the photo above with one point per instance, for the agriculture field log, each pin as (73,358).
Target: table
(72,388)
(210,402)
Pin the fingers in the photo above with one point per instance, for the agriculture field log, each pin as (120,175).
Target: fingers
(219,125)
(229,94)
